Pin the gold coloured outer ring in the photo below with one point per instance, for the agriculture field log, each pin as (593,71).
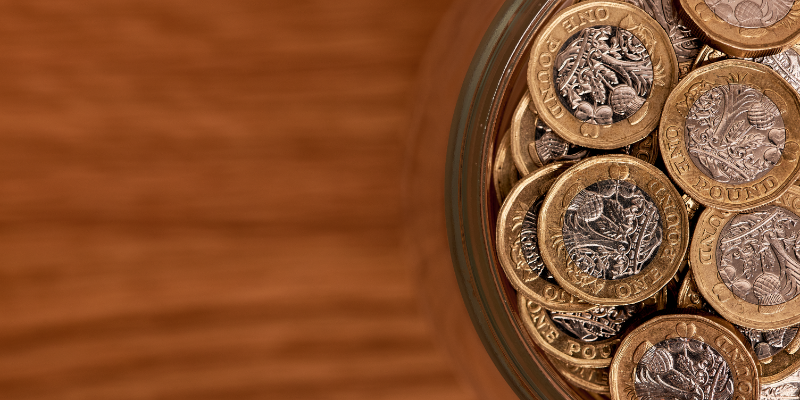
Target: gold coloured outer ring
(523,137)
(594,380)
(783,364)
(672,137)
(662,267)
(509,224)
(714,332)
(559,345)
(703,257)
(546,96)
(737,41)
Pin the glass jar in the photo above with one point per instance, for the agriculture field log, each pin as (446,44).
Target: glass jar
(495,82)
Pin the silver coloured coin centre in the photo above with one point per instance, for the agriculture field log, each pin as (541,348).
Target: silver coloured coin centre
(612,229)
(734,134)
(683,369)
(603,74)
(750,13)
(758,256)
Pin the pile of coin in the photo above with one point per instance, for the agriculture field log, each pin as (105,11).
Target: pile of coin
(650,220)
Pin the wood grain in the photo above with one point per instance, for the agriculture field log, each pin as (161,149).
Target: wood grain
(202,200)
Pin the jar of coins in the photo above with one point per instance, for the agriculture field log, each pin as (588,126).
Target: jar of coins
(622,199)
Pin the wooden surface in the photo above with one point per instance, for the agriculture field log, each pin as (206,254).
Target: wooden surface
(204,200)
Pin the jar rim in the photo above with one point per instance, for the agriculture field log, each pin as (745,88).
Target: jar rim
(470,205)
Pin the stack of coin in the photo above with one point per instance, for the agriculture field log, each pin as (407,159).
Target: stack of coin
(650,220)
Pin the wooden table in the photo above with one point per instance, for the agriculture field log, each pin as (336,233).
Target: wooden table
(205,200)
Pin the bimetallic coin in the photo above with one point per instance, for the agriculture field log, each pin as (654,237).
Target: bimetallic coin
(533,144)
(613,230)
(729,135)
(518,245)
(504,173)
(600,72)
(685,357)
(586,339)
(594,380)
(746,264)
(744,28)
